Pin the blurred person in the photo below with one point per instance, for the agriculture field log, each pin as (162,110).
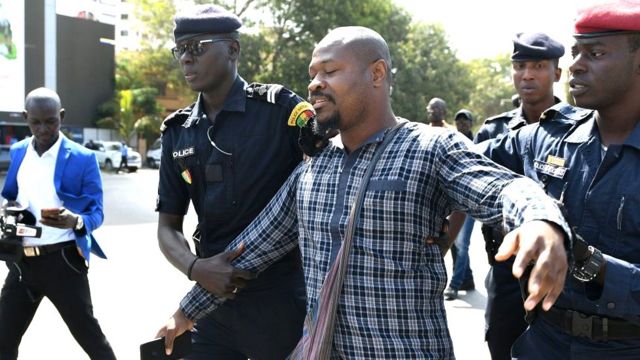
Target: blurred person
(58,181)
(437,114)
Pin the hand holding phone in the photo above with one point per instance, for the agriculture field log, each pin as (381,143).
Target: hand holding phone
(51,213)
(154,350)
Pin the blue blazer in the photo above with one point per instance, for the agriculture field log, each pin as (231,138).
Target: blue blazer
(77,182)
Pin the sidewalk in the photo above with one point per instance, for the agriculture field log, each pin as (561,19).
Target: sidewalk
(136,290)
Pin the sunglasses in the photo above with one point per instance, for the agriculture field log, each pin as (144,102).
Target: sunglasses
(195,48)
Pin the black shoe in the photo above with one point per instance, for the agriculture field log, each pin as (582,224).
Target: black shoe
(468,285)
(450,293)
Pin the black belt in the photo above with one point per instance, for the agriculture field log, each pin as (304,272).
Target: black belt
(597,328)
(30,251)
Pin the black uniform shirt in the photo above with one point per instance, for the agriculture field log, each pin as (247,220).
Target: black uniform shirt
(230,181)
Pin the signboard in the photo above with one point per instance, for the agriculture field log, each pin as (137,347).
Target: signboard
(11,55)
(103,11)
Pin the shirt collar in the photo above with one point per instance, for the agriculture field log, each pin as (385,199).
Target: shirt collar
(588,129)
(634,139)
(235,101)
(519,120)
(52,151)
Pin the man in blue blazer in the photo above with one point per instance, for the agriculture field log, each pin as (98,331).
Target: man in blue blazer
(59,182)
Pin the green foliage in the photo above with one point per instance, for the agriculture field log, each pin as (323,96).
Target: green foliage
(278,38)
(493,87)
(133,111)
(428,68)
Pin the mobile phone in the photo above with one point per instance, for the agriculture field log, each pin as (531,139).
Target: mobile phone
(50,213)
(154,350)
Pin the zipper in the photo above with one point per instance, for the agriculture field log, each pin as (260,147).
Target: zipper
(619,218)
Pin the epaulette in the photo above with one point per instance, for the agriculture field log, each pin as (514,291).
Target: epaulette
(505,115)
(566,112)
(301,113)
(264,92)
(178,117)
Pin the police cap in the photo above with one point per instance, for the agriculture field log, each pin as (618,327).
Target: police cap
(535,46)
(608,18)
(463,114)
(204,19)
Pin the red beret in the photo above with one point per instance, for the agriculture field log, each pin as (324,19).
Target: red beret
(608,18)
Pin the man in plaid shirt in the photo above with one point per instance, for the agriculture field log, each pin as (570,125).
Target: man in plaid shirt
(391,305)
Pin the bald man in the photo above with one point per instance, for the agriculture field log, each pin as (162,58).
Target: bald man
(46,172)
(391,303)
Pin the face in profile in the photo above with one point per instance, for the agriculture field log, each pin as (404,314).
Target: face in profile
(603,71)
(205,60)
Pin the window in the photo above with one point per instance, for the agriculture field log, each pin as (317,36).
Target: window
(124,33)
(124,16)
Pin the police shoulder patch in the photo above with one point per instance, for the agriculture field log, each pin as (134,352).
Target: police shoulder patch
(264,92)
(176,118)
(301,114)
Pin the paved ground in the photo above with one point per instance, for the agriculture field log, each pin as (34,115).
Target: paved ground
(136,289)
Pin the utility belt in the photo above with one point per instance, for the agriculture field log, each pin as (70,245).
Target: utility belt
(31,251)
(593,327)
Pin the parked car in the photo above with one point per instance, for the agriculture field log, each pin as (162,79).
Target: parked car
(153,155)
(108,154)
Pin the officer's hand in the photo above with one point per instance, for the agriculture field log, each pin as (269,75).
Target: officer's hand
(542,244)
(64,219)
(176,325)
(218,276)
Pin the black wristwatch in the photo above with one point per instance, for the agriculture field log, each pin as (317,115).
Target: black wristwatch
(587,269)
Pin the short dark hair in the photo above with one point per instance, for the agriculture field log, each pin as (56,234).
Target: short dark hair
(634,42)
(555,62)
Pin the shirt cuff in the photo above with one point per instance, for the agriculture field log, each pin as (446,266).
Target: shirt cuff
(198,303)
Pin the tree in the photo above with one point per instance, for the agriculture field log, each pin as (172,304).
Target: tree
(492,87)
(427,67)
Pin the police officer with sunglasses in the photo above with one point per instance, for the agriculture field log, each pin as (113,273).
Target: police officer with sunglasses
(227,154)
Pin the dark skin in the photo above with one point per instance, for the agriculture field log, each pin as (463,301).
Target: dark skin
(43,114)
(212,73)
(533,81)
(605,76)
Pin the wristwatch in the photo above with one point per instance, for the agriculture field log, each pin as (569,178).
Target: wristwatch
(587,269)
(79,223)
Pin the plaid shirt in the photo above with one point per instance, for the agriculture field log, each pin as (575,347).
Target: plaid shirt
(392,300)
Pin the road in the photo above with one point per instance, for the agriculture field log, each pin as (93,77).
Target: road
(136,289)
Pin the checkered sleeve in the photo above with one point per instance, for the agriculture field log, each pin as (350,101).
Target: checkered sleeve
(489,192)
(273,234)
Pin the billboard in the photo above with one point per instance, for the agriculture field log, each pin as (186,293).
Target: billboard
(12,57)
(103,11)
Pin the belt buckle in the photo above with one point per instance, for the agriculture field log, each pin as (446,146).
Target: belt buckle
(30,251)
(581,324)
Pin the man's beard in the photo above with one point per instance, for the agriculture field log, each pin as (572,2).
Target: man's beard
(322,129)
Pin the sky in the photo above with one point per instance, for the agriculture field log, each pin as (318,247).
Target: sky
(485,28)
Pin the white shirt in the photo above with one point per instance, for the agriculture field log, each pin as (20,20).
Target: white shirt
(36,191)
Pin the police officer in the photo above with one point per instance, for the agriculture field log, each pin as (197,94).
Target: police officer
(228,154)
(534,70)
(590,161)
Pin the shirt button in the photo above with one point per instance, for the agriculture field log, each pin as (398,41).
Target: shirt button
(544,178)
(611,306)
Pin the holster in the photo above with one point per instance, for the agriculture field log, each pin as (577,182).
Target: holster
(492,240)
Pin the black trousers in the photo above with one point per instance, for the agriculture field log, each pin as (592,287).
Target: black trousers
(124,163)
(264,321)
(62,277)
(505,315)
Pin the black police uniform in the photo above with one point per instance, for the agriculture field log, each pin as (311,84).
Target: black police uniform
(504,315)
(230,167)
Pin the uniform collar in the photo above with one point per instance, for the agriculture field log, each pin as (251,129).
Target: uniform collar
(588,129)
(235,101)
(519,120)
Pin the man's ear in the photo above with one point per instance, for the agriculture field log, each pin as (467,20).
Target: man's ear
(558,74)
(62,112)
(234,50)
(380,72)
(24,114)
